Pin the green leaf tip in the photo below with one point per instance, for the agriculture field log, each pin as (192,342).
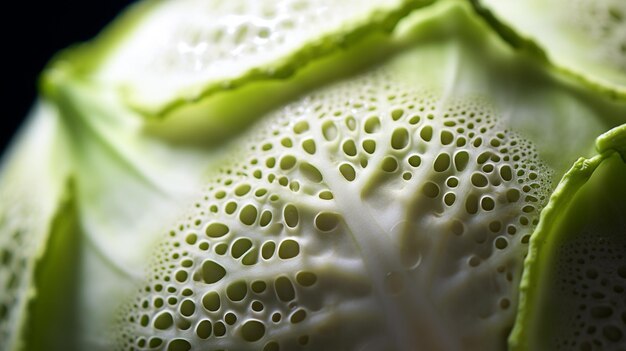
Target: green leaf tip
(614,139)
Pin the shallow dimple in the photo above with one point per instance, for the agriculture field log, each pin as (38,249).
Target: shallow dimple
(621,271)
(390,164)
(351,122)
(372,125)
(306,278)
(512,195)
(394,283)
(430,189)
(286,142)
(271,346)
(457,227)
(301,127)
(601,312)
(329,130)
(397,114)
(612,333)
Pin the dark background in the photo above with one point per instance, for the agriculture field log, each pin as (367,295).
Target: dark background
(32,31)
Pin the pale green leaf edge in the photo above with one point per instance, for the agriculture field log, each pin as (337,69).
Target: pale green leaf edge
(574,179)
(82,59)
(529,46)
(54,282)
(32,137)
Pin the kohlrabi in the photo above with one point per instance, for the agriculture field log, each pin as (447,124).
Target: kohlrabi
(324,175)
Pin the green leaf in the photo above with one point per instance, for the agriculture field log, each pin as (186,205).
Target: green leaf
(388,210)
(32,185)
(574,278)
(127,185)
(584,38)
(181,51)
(54,319)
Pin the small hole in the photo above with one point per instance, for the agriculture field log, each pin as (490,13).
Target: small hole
(442,162)
(389,164)
(347,171)
(326,221)
(372,125)
(288,249)
(426,133)
(399,139)
(349,148)
(415,161)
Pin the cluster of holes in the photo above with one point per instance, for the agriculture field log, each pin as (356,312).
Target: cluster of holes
(17,240)
(592,271)
(251,215)
(274,193)
(224,36)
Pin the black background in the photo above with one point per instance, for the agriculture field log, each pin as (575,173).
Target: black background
(32,31)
